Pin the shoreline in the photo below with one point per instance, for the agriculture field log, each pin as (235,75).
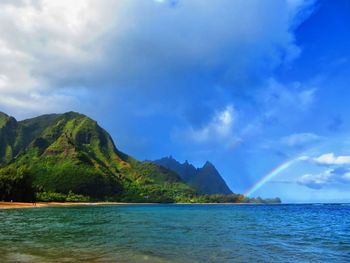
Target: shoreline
(14,205)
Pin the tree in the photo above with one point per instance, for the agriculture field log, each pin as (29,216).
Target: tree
(16,184)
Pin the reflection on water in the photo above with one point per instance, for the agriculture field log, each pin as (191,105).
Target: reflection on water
(176,233)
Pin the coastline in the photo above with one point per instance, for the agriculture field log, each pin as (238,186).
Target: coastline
(14,205)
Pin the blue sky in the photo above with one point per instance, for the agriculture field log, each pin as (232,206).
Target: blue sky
(248,85)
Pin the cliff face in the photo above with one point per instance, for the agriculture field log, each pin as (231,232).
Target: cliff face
(206,179)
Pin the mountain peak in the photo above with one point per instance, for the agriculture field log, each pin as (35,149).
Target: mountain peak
(208,165)
(206,179)
(73,114)
(70,153)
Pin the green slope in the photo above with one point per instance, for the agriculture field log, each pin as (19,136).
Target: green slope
(70,154)
(3,119)
(11,139)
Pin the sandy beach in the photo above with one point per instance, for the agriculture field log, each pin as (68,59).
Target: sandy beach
(7,205)
(12,205)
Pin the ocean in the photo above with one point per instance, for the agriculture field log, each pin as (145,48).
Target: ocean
(176,233)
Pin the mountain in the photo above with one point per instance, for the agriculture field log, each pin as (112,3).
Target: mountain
(67,156)
(206,179)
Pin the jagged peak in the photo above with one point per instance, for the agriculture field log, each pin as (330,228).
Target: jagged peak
(208,165)
(207,178)
(188,165)
(169,158)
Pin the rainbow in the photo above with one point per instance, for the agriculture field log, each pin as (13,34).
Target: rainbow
(274,172)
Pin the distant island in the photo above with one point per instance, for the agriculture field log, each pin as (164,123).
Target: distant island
(70,158)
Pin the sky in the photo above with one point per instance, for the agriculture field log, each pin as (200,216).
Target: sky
(259,88)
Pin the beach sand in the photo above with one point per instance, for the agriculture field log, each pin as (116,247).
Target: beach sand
(9,205)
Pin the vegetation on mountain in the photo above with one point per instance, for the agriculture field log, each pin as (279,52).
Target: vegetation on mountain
(16,184)
(69,157)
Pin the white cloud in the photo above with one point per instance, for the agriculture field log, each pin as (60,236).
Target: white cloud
(48,45)
(330,177)
(315,181)
(332,159)
(42,42)
(300,139)
(304,158)
(219,128)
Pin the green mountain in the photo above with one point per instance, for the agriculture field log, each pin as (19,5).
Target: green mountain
(65,157)
(206,179)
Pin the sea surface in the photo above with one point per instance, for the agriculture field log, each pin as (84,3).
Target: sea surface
(176,233)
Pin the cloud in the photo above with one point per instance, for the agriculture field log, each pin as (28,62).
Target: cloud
(270,108)
(47,46)
(329,177)
(41,44)
(278,105)
(304,158)
(281,97)
(332,159)
(219,128)
(328,159)
(300,139)
(315,181)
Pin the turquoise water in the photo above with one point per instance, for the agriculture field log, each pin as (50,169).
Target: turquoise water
(176,233)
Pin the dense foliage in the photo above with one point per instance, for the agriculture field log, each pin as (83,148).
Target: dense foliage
(59,197)
(16,185)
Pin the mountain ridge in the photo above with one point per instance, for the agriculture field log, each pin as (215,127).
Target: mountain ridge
(206,179)
(70,153)
(69,157)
